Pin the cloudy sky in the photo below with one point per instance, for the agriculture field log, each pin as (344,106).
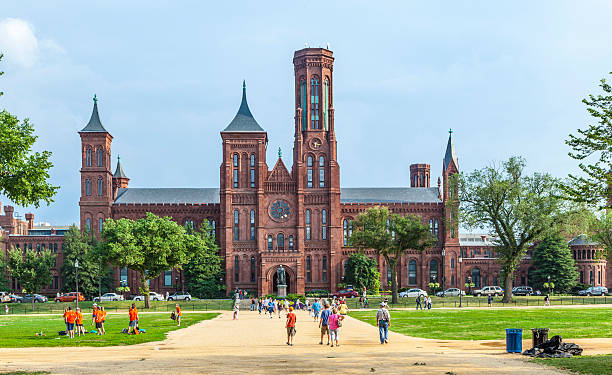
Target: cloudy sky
(508,79)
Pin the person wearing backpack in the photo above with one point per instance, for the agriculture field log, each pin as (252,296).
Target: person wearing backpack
(383,322)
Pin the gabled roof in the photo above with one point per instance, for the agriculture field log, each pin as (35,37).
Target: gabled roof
(450,152)
(94,124)
(279,172)
(119,171)
(389,195)
(243,121)
(167,195)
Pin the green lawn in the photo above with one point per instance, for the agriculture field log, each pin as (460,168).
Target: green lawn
(490,324)
(20,331)
(587,365)
(112,306)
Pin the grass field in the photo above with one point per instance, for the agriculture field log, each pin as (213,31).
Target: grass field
(490,324)
(115,306)
(587,365)
(20,331)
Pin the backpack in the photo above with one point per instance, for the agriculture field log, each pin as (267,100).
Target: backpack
(125,330)
(173,316)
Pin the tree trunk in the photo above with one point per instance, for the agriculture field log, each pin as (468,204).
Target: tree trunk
(144,289)
(32,294)
(508,287)
(394,283)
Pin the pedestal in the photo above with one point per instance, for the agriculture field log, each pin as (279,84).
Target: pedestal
(282,291)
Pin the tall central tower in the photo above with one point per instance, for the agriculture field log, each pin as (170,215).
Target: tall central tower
(315,167)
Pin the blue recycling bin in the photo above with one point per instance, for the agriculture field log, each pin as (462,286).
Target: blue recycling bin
(514,340)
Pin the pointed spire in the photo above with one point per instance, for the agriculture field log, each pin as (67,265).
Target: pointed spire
(280,153)
(450,151)
(94,124)
(243,121)
(119,171)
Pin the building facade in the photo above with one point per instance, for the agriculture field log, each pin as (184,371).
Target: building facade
(298,217)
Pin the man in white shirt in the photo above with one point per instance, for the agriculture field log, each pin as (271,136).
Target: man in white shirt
(383,322)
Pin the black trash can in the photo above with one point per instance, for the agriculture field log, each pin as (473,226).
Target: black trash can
(540,335)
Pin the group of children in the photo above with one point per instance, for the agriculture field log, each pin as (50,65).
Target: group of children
(74,320)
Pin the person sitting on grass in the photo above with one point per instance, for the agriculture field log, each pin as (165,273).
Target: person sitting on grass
(70,319)
(178,315)
(133,313)
(291,318)
(79,322)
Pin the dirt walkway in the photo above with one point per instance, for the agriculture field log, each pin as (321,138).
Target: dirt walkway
(255,344)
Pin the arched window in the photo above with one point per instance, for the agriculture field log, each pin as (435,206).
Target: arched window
(99,158)
(280,241)
(345,232)
(303,98)
(252,219)
(252,172)
(307,219)
(433,271)
(100,187)
(123,275)
(422,180)
(100,224)
(412,272)
(324,224)
(88,157)
(252,269)
(270,247)
(591,278)
(252,160)
(321,171)
(236,269)
(213,226)
(431,226)
(236,171)
(436,228)
(87,187)
(309,171)
(452,263)
(324,268)
(88,224)
(314,103)
(189,225)
(308,267)
(236,228)
(326,104)
(291,242)
(476,277)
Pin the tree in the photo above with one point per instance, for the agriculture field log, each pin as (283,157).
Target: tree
(553,258)
(515,208)
(594,143)
(150,246)
(362,271)
(93,273)
(23,173)
(391,235)
(203,271)
(32,269)
(600,231)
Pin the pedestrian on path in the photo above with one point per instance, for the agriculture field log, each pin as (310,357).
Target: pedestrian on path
(383,322)
(547,300)
(343,308)
(291,318)
(429,303)
(334,323)
(323,323)
(252,304)
(236,309)
(418,303)
(316,309)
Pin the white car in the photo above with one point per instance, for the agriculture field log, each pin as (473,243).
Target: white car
(450,292)
(152,297)
(414,293)
(108,297)
(179,296)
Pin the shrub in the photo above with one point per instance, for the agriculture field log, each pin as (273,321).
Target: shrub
(317,293)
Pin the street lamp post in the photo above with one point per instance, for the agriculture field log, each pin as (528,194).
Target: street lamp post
(76,268)
(548,277)
(442,279)
(460,282)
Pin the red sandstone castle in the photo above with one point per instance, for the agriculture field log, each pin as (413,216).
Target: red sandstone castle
(299,217)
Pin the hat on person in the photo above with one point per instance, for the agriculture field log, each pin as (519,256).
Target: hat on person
(382,304)
(291,308)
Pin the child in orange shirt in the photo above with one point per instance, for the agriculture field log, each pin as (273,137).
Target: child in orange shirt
(70,317)
(178,315)
(103,320)
(99,316)
(79,322)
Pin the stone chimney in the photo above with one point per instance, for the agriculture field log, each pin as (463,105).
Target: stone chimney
(30,219)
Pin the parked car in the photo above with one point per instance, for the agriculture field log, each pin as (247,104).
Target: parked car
(69,297)
(15,298)
(594,291)
(179,296)
(37,298)
(4,297)
(152,297)
(522,291)
(488,290)
(109,297)
(414,293)
(346,293)
(450,292)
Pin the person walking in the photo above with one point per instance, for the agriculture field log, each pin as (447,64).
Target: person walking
(291,318)
(133,314)
(236,309)
(271,308)
(252,303)
(343,308)
(334,324)
(316,309)
(366,303)
(178,315)
(383,322)
(418,303)
(323,323)
(490,300)
(547,300)
(429,303)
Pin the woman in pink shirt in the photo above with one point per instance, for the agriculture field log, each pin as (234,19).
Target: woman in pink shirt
(334,324)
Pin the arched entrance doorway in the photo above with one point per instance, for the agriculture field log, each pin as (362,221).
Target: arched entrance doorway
(269,285)
(275,281)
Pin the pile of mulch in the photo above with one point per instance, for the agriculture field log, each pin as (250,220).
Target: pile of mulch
(554,348)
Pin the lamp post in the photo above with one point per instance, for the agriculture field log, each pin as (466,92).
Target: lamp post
(460,277)
(76,268)
(442,279)
(548,278)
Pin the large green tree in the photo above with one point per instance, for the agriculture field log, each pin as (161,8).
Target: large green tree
(593,147)
(600,231)
(32,269)
(150,245)
(362,271)
(516,208)
(203,271)
(24,174)
(552,258)
(392,235)
(94,277)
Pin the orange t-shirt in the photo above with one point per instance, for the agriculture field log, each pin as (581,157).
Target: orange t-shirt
(103,315)
(70,317)
(65,314)
(99,316)
(79,318)
(291,318)
(178,311)
(133,314)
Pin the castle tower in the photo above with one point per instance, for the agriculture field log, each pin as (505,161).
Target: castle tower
(315,165)
(120,180)
(450,170)
(96,177)
(419,175)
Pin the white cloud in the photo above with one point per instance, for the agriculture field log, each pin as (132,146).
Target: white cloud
(18,42)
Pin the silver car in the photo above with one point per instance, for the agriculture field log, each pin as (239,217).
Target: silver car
(450,292)
(413,293)
(152,297)
(179,296)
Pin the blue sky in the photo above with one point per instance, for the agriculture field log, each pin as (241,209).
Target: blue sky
(508,77)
